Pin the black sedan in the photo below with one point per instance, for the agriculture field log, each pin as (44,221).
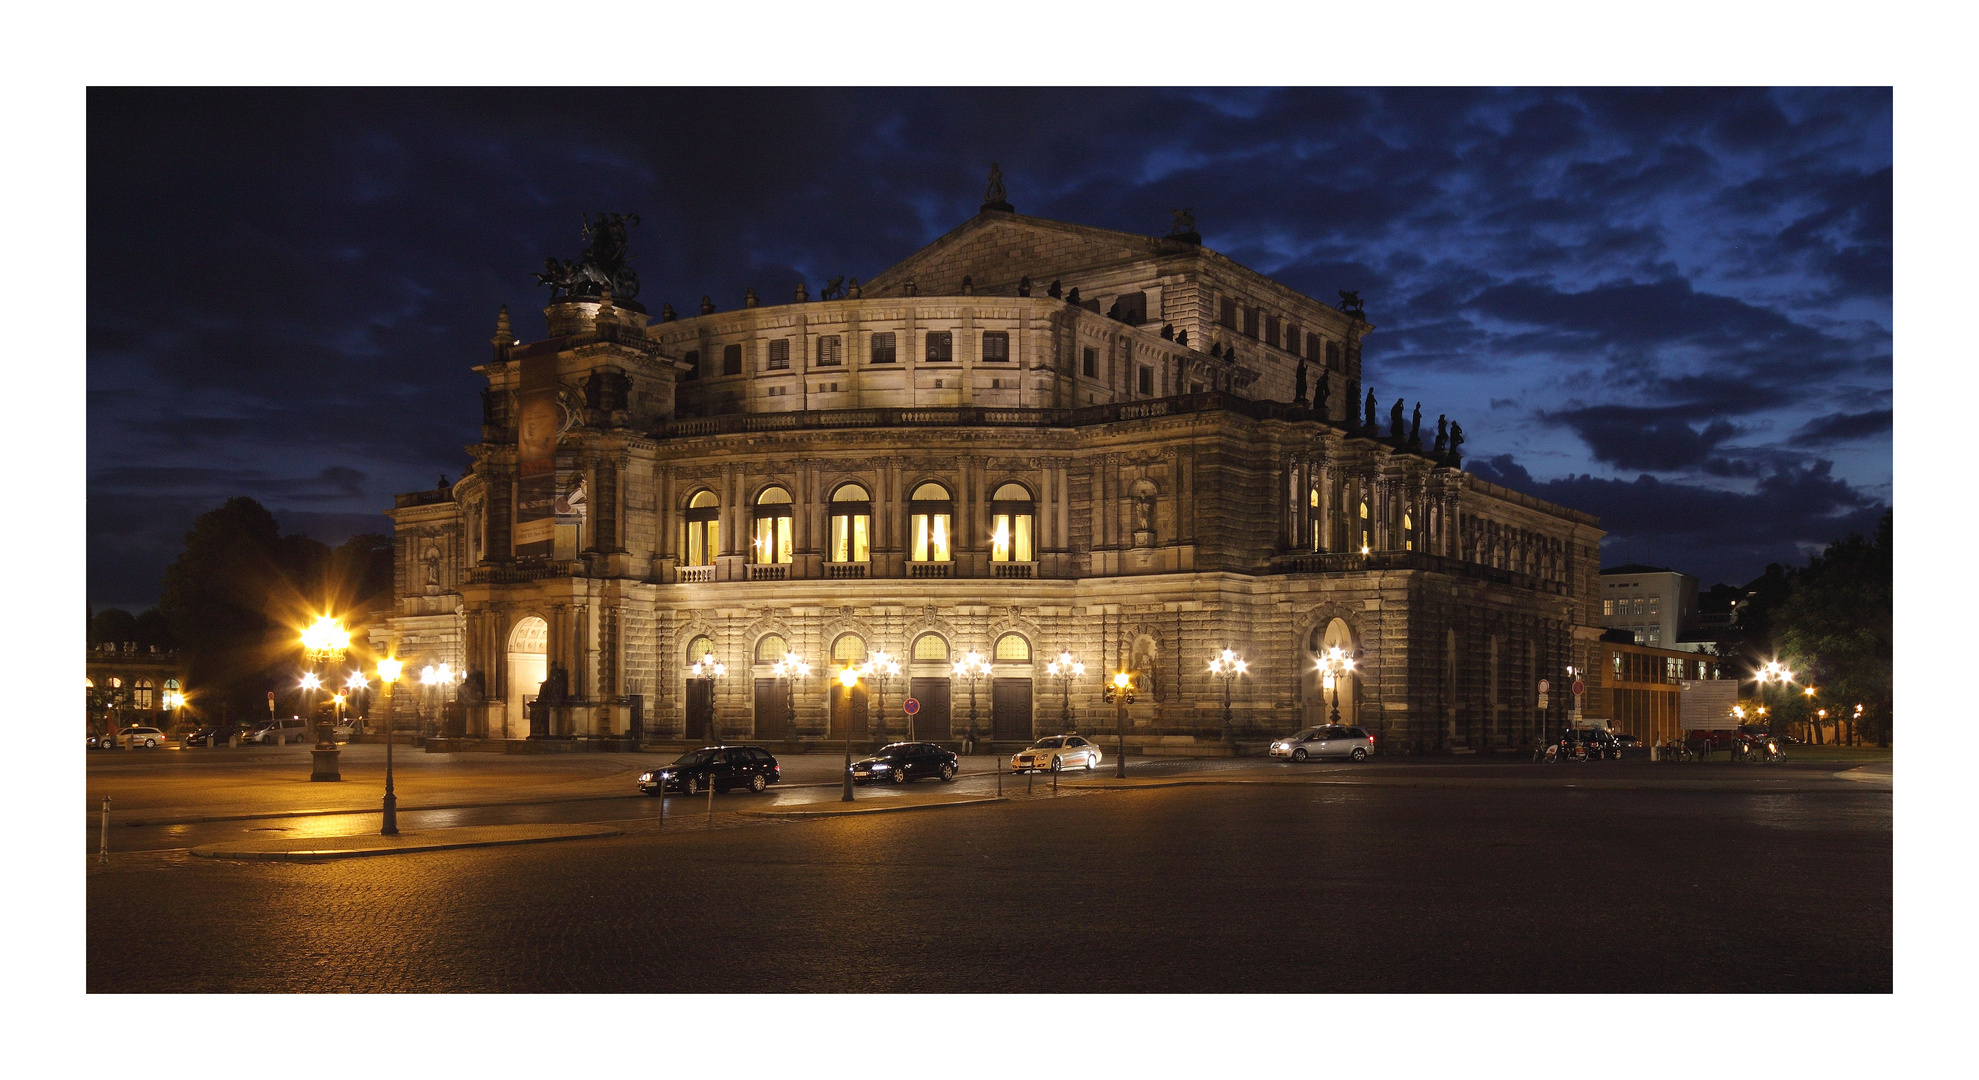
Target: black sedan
(220,733)
(724,767)
(903,761)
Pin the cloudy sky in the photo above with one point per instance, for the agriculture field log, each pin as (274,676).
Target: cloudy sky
(1668,308)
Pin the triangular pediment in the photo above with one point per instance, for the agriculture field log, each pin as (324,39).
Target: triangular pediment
(995,249)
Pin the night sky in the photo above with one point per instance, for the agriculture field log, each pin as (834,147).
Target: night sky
(1671,309)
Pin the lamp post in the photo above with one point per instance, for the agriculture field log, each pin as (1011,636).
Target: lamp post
(711,669)
(1773,672)
(1334,666)
(972,667)
(1120,691)
(1227,666)
(881,668)
(388,673)
(355,685)
(790,669)
(1064,669)
(849,678)
(323,641)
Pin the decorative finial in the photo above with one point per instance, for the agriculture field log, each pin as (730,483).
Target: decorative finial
(803,293)
(504,333)
(852,293)
(994,197)
(968,285)
(707,305)
(1024,286)
(909,289)
(749,298)
(666,313)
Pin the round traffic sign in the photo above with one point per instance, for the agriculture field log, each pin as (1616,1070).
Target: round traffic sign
(1579,688)
(1544,686)
(910,706)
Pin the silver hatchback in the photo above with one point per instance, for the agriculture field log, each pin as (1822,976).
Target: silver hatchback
(1326,740)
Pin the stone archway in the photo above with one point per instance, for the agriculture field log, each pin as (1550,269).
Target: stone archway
(528,666)
(1315,701)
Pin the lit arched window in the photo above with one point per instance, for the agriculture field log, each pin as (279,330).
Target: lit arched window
(1012,520)
(771,648)
(703,529)
(144,693)
(701,646)
(1364,524)
(1408,531)
(1013,647)
(772,543)
(930,647)
(848,649)
(851,524)
(932,521)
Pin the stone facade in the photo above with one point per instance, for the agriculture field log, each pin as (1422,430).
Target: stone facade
(935,464)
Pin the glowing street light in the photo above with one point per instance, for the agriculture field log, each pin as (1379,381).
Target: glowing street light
(325,639)
(881,668)
(1064,669)
(711,669)
(388,673)
(849,678)
(1334,666)
(1227,666)
(973,668)
(790,669)
(1120,691)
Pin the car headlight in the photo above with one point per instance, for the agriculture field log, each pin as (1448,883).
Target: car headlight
(646,778)
(880,766)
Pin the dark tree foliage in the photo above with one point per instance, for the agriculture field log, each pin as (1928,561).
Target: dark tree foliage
(1836,624)
(113,626)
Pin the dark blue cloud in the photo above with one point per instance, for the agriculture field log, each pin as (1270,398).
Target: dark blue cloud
(288,282)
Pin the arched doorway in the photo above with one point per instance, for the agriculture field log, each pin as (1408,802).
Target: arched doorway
(1315,699)
(528,666)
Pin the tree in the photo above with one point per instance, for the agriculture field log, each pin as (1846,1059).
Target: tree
(113,626)
(1837,622)
(216,602)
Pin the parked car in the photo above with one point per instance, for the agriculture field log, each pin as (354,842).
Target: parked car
(222,735)
(148,737)
(1325,740)
(280,732)
(903,761)
(1627,741)
(1055,752)
(1600,743)
(104,741)
(725,767)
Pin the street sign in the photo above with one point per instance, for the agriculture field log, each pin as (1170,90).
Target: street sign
(1544,686)
(910,706)
(1579,688)
(1542,700)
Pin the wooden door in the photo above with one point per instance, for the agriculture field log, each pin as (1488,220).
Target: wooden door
(772,712)
(841,710)
(1010,710)
(932,723)
(700,707)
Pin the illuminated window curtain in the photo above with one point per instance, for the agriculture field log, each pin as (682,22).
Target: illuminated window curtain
(851,524)
(1408,536)
(1012,523)
(703,529)
(1364,524)
(771,544)
(931,520)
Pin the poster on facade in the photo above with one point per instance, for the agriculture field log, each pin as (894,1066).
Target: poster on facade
(536,427)
(1706,704)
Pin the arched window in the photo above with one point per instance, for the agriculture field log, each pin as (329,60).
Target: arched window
(144,693)
(1013,519)
(1365,534)
(932,521)
(771,648)
(848,649)
(1408,531)
(851,524)
(1013,648)
(703,529)
(772,542)
(701,646)
(930,647)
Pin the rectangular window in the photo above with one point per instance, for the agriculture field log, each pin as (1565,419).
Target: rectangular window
(996,347)
(772,543)
(849,537)
(702,537)
(829,352)
(1653,604)
(780,354)
(1091,366)
(1271,337)
(941,346)
(1147,381)
(1333,356)
(1227,313)
(1250,322)
(731,360)
(1607,607)
(692,358)
(1291,339)
(883,348)
(1314,351)
(1131,308)
(931,538)
(1010,538)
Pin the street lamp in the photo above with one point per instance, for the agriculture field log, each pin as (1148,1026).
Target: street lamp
(790,669)
(431,678)
(1227,666)
(355,685)
(323,641)
(880,668)
(849,678)
(1120,691)
(711,669)
(1773,672)
(1334,666)
(972,667)
(1064,669)
(388,673)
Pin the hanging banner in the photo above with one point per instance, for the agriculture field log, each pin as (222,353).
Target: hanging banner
(536,428)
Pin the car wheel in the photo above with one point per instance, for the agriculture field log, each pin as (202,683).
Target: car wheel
(1092,762)
(757,783)
(900,775)
(151,744)
(697,785)
(1057,764)
(1359,754)
(1299,754)
(947,773)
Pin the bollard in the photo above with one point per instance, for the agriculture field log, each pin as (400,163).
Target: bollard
(1054,781)
(999,776)
(711,799)
(210,741)
(103,850)
(1029,776)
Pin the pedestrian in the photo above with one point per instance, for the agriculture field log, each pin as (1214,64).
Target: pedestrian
(969,740)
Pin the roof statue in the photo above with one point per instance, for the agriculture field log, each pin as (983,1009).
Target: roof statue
(1395,421)
(1320,395)
(994,197)
(1184,228)
(1299,388)
(1442,433)
(1456,440)
(601,268)
(1415,428)
(1350,302)
(1371,425)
